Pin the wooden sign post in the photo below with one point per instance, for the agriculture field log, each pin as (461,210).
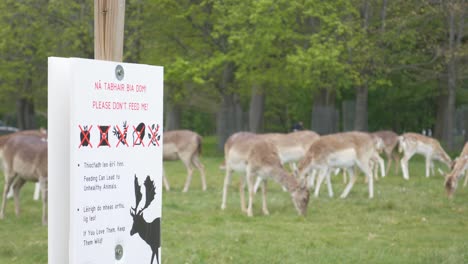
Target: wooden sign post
(105,152)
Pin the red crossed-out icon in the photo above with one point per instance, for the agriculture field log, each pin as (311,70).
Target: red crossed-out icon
(153,138)
(104,140)
(139,137)
(121,136)
(84,136)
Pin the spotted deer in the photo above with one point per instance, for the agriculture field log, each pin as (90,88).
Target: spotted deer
(459,170)
(430,148)
(184,145)
(150,232)
(24,159)
(341,150)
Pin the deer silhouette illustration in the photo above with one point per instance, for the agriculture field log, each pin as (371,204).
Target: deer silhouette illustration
(149,232)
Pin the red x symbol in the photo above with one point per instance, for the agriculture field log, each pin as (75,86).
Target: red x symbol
(139,136)
(85,138)
(103,136)
(121,136)
(153,135)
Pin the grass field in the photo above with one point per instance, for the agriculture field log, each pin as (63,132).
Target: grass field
(406,222)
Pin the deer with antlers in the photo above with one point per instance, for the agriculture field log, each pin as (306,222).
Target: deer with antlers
(24,159)
(459,170)
(149,232)
(430,148)
(186,146)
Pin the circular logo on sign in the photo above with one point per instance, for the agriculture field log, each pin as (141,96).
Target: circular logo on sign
(119,72)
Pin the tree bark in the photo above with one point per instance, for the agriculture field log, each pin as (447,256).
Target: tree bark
(173,114)
(360,121)
(324,115)
(257,106)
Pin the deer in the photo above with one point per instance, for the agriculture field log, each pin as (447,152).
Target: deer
(460,166)
(24,159)
(263,161)
(149,232)
(414,143)
(341,150)
(184,145)
(390,141)
(291,147)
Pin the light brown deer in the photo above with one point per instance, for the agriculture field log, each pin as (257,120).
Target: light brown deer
(25,159)
(430,148)
(184,145)
(263,161)
(390,141)
(459,170)
(341,150)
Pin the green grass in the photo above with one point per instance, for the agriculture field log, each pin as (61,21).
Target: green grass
(406,222)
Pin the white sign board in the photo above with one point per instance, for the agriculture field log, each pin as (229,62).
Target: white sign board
(105,134)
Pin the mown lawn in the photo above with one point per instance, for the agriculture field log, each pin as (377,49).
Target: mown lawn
(407,222)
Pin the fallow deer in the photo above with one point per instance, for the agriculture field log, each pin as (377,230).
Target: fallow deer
(263,161)
(459,170)
(341,150)
(25,159)
(430,148)
(184,145)
(149,232)
(390,141)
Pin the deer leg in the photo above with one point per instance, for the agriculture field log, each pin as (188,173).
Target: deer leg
(322,175)
(382,166)
(242,194)
(10,191)
(428,166)
(16,189)
(311,179)
(9,178)
(264,191)
(396,157)
(404,165)
(37,191)
(165,181)
(44,187)
(189,177)
(257,184)
(389,164)
(201,168)
(466,178)
(227,180)
(329,184)
(352,179)
(250,185)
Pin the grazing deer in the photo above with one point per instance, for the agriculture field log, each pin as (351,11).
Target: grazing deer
(291,147)
(236,148)
(263,161)
(413,143)
(24,159)
(186,146)
(390,141)
(342,150)
(459,170)
(149,232)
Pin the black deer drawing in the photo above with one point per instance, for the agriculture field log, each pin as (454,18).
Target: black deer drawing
(149,232)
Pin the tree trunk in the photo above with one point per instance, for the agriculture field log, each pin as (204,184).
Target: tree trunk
(441,124)
(360,121)
(172,117)
(25,114)
(257,106)
(324,115)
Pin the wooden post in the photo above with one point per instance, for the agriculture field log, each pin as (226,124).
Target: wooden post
(109,17)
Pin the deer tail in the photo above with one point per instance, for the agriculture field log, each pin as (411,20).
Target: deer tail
(199,144)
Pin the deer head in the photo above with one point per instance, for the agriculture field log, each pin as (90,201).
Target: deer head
(300,197)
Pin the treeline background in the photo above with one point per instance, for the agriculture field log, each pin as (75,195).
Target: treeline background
(263,65)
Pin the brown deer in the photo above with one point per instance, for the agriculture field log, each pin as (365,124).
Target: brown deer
(24,159)
(390,141)
(263,161)
(341,150)
(149,232)
(184,145)
(459,170)
(413,143)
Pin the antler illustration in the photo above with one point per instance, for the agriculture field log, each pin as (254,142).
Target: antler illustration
(150,192)
(138,195)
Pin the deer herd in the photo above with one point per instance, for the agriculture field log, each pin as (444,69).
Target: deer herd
(258,158)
